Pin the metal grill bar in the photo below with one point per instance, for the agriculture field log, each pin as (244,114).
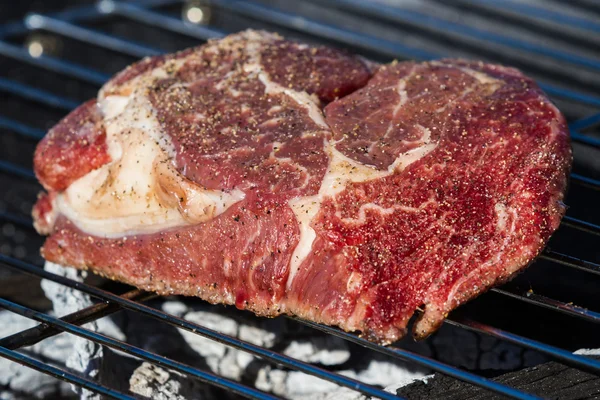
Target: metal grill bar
(80,13)
(586,122)
(239,344)
(570,261)
(36,334)
(31,336)
(62,374)
(582,5)
(40,96)
(590,141)
(16,219)
(560,92)
(21,129)
(52,64)
(38,21)
(141,14)
(429,22)
(536,12)
(75,13)
(585,181)
(551,304)
(14,169)
(202,376)
(583,226)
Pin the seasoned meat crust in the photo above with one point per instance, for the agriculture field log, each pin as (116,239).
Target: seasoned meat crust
(286,178)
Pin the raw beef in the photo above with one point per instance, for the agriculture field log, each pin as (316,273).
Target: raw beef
(287,178)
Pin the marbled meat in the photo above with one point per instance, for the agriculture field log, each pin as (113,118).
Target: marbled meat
(287,178)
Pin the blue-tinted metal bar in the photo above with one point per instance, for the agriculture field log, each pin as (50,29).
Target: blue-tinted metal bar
(36,334)
(581,225)
(61,374)
(74,13)
(258,351)
(585,181)
(21,221)
(564,356)
(287,20)
(541,13)
(37,95)
(570,95)
(80,13)
(53,64)
(270,15)
(585,123)
(203,376)
(37,21)
(21,129)
(551,304)
(584,139)
(570,261)
(586,6)
(280,18)
(422,360)
(147,17)
(200,330)
(13,169)
(412,17)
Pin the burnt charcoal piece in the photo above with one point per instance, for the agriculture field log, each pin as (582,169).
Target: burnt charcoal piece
(550,380)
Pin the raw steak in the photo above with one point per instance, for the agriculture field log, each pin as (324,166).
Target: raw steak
(286,178)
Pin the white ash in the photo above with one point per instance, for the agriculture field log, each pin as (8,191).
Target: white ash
(326,350)
(154,382)
(588,352)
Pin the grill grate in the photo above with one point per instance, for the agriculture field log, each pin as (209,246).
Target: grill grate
(581,106)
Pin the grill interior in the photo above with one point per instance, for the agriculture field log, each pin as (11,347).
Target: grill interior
(544,309)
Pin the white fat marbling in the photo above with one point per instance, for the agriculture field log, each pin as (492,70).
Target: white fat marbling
(342,170)
(139,191)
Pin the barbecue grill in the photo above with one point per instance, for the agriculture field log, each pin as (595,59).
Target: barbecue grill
(46,71)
